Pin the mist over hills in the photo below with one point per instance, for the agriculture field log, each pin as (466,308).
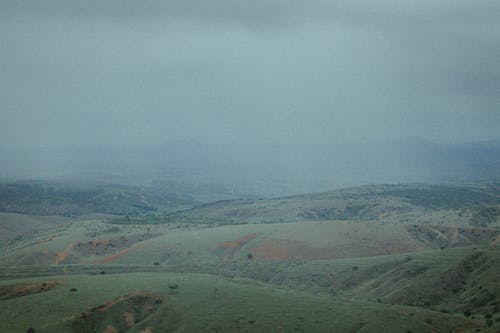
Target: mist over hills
(246,169)
(249,166)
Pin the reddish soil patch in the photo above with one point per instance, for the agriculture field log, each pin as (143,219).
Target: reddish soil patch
(129,318)
(107,306)
(109,246)
(100,247)
(240,241)
(93,247)
(110,329)
(227,250)
(19,290)
(60,257)
(132,309)
(282,249)
(120,254)
(45,240)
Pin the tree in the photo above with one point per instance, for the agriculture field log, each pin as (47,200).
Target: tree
(173,287)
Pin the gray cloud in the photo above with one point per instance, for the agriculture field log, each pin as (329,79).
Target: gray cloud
(248,72)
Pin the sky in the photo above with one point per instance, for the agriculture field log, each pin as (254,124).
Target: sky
(248,72)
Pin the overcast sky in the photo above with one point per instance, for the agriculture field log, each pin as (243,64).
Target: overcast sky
(238,71)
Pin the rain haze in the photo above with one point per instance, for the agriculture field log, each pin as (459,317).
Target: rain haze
(310,95)
(249,166)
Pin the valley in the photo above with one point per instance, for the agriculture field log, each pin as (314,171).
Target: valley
(392,258)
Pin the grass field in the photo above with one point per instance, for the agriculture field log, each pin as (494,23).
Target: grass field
(391,261)
(204,303)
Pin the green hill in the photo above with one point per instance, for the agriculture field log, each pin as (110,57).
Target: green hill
(397,258)
(456,204)
(159,302)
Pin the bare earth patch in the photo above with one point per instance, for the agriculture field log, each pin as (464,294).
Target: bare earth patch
(227,250)
(100,247)
(124,312)
(282,249)
(61,257)
(129,318)
(19,290)
(110,329)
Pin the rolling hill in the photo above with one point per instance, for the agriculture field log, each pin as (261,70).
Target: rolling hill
(402,258)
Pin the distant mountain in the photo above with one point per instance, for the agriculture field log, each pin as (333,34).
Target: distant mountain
(272,170)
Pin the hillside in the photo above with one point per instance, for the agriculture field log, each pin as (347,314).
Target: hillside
(447,204)
(70,200)
(156,302)
(422,257)
(16,228)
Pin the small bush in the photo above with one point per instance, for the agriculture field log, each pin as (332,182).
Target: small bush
(173,287)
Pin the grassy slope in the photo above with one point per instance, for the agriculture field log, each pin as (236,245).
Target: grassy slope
(51,199)
(450,280)
(457,204)
(389,264)
(205,303)
(453,280)
(95,241)
(449,204)
(17,228)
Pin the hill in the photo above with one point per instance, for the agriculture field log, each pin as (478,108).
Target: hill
(447,204)
(159,302)
(402,258)
(70,200)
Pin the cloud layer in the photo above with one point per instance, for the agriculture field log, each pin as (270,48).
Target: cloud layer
(297,73)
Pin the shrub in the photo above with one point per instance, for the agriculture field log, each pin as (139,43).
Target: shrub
(173,287)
